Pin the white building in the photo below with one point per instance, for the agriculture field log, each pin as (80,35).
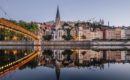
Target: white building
(127,33)
(57,54)
(123,55)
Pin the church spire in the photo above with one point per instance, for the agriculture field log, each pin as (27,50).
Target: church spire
(57,20)
(57,13)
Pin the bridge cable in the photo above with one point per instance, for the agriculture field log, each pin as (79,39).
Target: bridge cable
(5,13)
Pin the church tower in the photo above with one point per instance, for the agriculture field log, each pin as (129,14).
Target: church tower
(58,33)
(57,19)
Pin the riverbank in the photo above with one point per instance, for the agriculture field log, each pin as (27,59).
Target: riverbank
(16,43)
(86,43)
(65,43)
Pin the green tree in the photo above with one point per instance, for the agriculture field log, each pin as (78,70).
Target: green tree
(68,36)
(47,37)
(67,53)
(31,26)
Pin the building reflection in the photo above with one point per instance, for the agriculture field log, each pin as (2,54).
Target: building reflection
(68,57)
(82,58)
(85,57)
(57,70)
(58,59)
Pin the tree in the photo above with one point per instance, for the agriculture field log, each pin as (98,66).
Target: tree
(67,37)
(67,53)
(31,26)
(47,37)
(83,53)
(48,53)
(83,37)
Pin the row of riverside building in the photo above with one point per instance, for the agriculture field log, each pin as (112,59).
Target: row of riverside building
(80,30)
(85,33)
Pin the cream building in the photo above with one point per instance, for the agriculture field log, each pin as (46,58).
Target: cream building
(87,34)
(113,33)
(87,55)
(114,55)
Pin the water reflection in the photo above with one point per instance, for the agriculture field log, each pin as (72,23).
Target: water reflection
(70,64)
(85,57)
(7,56)
(70,58)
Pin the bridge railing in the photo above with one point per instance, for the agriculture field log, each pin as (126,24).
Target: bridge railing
(15,27)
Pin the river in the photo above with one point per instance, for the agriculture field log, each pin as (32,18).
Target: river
(67,64)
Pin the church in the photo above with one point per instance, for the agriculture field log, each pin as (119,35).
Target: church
(57,32)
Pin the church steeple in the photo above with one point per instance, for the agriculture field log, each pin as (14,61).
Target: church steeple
(57,13)
(57,20)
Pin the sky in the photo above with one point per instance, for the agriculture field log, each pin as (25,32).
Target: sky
(117,12)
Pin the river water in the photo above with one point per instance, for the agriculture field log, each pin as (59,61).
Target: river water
(67,64)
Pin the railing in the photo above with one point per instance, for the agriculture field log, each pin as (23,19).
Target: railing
(12,26)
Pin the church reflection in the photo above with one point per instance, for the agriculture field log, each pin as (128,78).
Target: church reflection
(82,58)
(57,69)
(85,57)
(58,59)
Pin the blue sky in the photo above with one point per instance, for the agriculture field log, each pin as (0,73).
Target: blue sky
(117,12)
